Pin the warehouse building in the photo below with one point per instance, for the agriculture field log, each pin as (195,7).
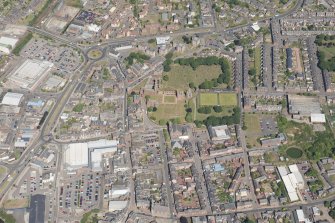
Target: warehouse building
(7,44)
(76,156)
(11,98)
(29,74)
(292,180)
(303,105)
(89,154)
(318,118)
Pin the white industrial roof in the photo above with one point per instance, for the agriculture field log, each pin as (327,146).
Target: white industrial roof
(11,98)
(117,205)
(255,27)
(96,156)
(76,155)
(29,73)
(162,40)
(300,215)
(298,176)
(282,170)
(8,41)
(102,143)
(318,118)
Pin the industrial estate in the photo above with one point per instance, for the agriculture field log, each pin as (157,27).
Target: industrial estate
(199,111)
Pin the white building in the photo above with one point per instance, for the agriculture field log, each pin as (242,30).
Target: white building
(76,156)
(7,44)
(318,118)
(117,205)
(219,133)
(292,180)
(90,154)
(162,40)
(11,98)
(29,74)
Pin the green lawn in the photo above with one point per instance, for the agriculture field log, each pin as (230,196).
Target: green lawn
(181,76)
(170,99)
(223,99)
(79,107)
(169,111)
(253,129)
(329,51)
(228,99)
(208,99)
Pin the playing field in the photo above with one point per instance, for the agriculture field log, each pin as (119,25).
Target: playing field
(181,76)
(228,99)
(208,99)
(223,99)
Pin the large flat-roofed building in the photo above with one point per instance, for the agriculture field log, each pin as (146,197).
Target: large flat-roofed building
(11,98)
(318,118)
(98,149)
(219,133)
(29,74)
(76,155)
(7,44)
(89,154)
(303,105)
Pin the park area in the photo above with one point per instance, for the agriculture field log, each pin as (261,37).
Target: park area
(300,136)
(168,108)
(180,77)
(222,99)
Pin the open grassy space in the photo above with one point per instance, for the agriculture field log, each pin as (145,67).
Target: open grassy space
(328,51)
(3,170)
(181,76)
(74,3)
(140,85)
(228,99)
(170,99)
(223,99)
(17,203)
(168,111)
(208,99)
(252,122)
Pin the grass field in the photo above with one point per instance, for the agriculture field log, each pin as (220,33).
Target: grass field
(253,129)
(223,99)
(140,85)
(17,203)
(208,99)
(170,99)
(169,111)
(181,76)
(329,51)
(228,99)
(3,170)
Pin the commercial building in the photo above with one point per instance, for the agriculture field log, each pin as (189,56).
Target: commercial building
(219,133)
(11,98)
(318,118)
(29,74)
(76,155)
(99,149)
(7,44)
(117,205)
(293,180)
(303,105)
(161,41)
(90,154)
